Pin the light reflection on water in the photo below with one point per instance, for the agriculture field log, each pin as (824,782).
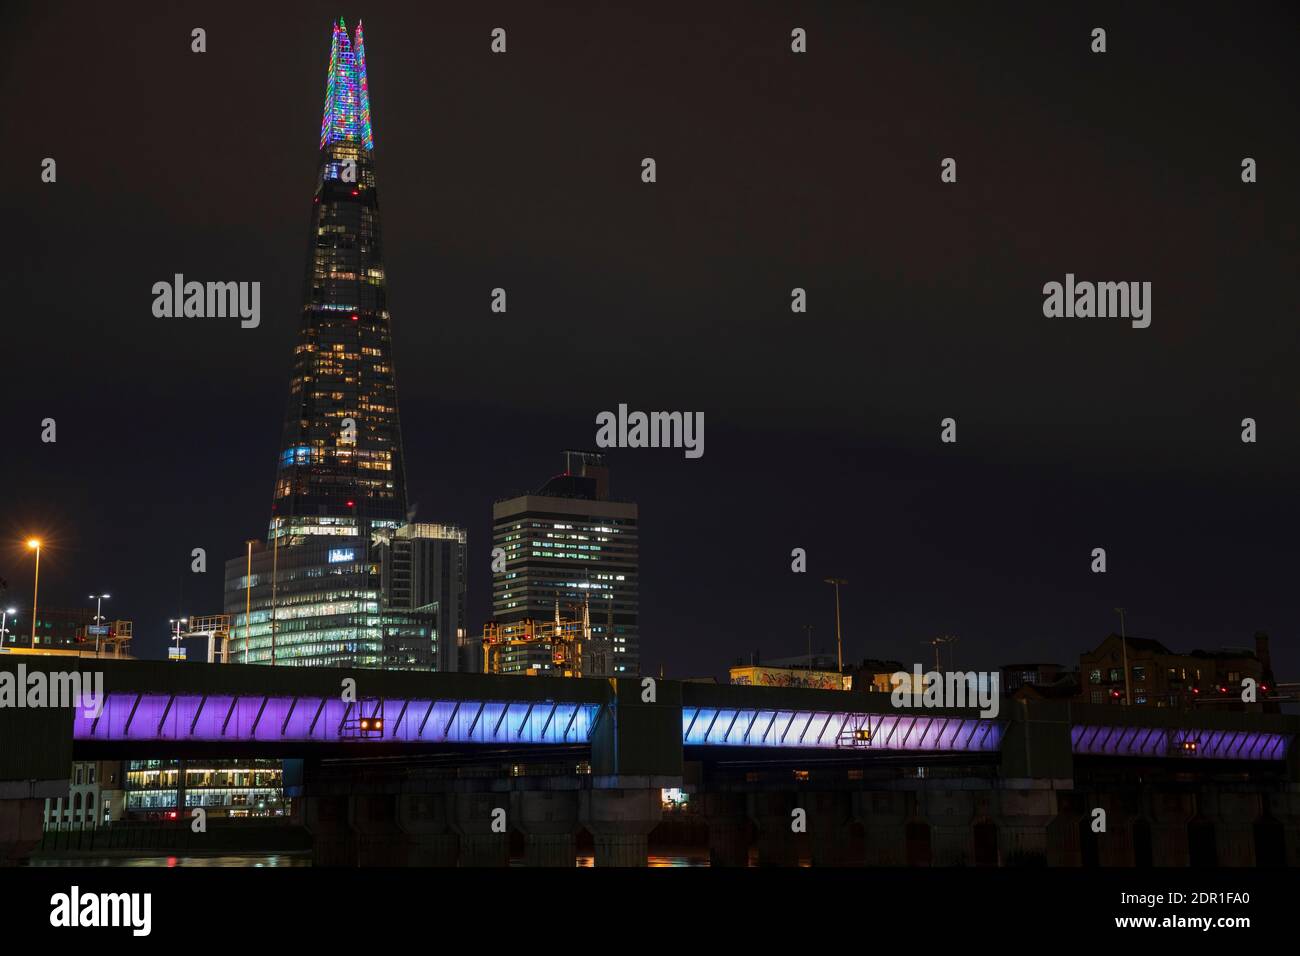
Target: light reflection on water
(658,859)
(234,859)
(686,857)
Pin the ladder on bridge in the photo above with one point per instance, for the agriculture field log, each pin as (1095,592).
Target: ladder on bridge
(856,732)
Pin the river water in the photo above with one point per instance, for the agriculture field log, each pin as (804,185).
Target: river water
(689,857)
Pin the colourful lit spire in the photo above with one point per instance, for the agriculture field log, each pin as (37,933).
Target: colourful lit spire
(347,92)
(366,136)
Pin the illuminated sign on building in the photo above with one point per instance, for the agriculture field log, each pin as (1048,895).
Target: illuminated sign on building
(342,554)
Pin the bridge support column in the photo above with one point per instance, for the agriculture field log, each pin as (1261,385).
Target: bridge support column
(883,814)
(549,821)
(473,817)
(1115,846)
(950,814)
(424,819)
(772,816)
(328,820)
(1022,818)
(21,822)
(1070,840)
(620,819)
(728,823)
(1234,814)
(1284,807)
(1170,813)
(379,838)
(829,815)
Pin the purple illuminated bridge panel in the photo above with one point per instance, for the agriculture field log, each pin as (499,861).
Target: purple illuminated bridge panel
(1118,741)
(729,727)
(129,716)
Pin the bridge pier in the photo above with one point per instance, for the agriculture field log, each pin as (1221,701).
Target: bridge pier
(1115,846)
(379,837)
(1234,814)
(1023,816)
(473,815)
(1284,807)
(328,820)
(21,824)
(620,815)
(950,814)
(830,812)
(549,821)
(772,816)
(883,814)
(424,819)
(728,824)
(1169,815)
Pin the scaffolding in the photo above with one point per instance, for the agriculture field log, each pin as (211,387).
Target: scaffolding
(216,629)
(110,639)
(561,647)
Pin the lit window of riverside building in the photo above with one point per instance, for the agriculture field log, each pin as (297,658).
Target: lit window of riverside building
(156,789)
(569,544)
(316,592)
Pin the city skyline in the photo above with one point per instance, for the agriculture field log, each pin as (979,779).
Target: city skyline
(1071,436)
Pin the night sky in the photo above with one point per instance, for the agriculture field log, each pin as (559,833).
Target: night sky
(775,170)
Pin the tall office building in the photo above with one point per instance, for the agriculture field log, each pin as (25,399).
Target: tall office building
(570,543)
(314,590)
(340,470)
(422,569)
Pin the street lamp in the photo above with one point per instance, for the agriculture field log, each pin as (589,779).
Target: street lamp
(4,620)
(248,599)
(1123,645)
(839,645)
(99,618)
(34,544)
(176,623)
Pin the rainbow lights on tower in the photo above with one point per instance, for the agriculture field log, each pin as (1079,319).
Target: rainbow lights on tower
(347,92)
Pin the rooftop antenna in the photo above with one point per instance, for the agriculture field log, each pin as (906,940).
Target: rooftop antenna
(839,644)
(1123,644)
(937,643)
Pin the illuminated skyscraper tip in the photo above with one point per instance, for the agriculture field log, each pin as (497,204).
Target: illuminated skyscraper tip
(346,117)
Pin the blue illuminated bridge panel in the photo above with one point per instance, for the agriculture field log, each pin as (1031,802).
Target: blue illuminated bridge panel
(729,727)
(1121,741)
(193,717)
(130,716)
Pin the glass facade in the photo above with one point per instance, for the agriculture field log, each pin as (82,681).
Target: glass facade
(570,544)
(326,602)
(232,788)
(340,467)
(313,594)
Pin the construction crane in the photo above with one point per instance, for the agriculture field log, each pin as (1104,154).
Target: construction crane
(560,646)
